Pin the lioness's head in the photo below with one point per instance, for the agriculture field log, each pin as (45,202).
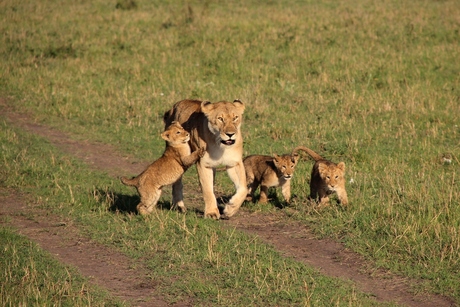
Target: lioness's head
(224,120)
(333,175)
(175,134)
(285,165)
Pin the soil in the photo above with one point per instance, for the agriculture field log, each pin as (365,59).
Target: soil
(115,272)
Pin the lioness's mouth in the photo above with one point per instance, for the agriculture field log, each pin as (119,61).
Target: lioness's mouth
(228,142)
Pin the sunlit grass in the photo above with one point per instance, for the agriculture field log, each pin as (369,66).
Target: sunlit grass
(373,84)
(31,277)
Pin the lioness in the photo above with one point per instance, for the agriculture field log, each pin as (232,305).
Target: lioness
(326,178)
(166,170)
(216,127)
(269,171)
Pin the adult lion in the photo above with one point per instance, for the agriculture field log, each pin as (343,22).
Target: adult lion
(215,127)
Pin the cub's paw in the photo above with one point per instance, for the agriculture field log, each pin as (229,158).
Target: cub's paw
(201,152)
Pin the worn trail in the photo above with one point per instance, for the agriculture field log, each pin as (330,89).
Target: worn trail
(290,238)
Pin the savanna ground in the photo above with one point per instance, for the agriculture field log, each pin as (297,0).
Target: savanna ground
(373,84)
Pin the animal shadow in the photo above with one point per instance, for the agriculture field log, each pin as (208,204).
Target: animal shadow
(123,203)
(116,202)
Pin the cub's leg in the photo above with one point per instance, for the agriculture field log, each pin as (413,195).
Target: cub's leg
(206,176)
(252,188)
(286,191)
(238,175)
(323,198)
(149,200)
(263,198)
(313,192)
(193,157)
(178,196)
(343,197)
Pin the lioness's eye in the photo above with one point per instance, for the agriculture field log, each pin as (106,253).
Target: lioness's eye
(235,118)
(336,177)
(220,119)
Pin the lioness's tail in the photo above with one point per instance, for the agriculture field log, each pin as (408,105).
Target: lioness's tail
(313,154)
(134,182)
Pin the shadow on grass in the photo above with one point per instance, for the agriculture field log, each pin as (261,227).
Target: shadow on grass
(274,199)
(126,204)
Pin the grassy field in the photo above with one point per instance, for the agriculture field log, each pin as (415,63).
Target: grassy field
(373,84)
(30,277)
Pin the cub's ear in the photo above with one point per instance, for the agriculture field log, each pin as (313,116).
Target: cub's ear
(174,124)
(295,157)
(276,157)
(165,135)
(322,168)
(239,104)
(341,166)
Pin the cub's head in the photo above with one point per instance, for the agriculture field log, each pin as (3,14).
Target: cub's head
(175,135)
(333,175)
(224,120)
(285,165)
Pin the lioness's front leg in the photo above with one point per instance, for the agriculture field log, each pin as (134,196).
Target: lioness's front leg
(206,176)
(238,175)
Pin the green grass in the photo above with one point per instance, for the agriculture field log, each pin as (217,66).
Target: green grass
(373,84)
(31,277)
(188,256)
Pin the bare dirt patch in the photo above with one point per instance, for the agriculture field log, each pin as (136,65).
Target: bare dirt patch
(290,238)
(101,265)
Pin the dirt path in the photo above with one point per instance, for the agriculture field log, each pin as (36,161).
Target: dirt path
(292,239)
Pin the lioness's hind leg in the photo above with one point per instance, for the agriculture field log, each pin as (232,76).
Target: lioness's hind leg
(178,196)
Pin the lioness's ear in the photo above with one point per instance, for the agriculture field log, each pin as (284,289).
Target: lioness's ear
(206,107)
(239,104)
(341,166)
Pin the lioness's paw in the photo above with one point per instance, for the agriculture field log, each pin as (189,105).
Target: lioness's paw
(214,214)
(229,211)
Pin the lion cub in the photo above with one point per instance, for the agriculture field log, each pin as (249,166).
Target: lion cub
(268,171)
(326,178)
(175,160)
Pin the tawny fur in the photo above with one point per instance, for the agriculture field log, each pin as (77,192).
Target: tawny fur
(176,159)
(326,178)
(269,171)
(216,127)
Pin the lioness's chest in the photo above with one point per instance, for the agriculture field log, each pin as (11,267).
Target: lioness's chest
(228,157)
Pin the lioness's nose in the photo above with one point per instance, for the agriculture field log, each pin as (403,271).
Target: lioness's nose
(230,134)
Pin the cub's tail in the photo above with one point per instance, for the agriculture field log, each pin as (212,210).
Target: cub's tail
(134,182)
(313,154)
